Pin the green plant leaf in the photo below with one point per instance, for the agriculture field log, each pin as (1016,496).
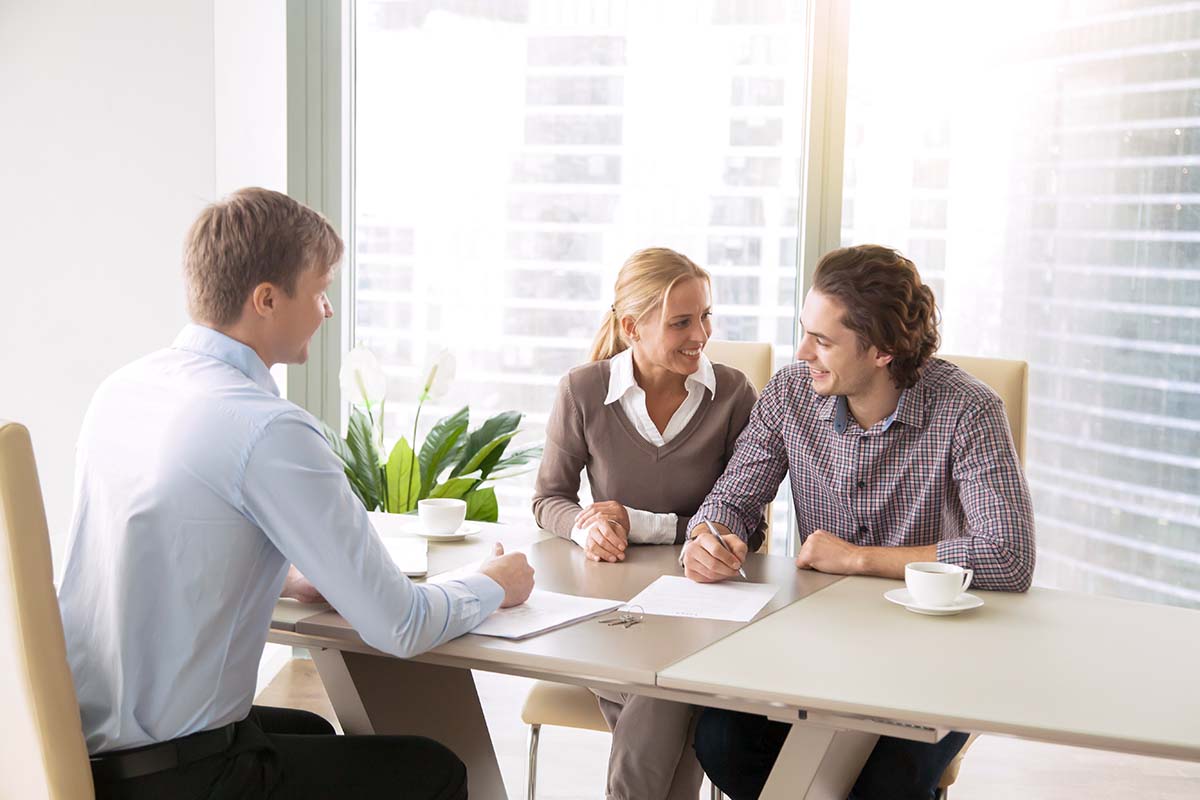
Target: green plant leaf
(486,434)
(503,475)
(454,488)
(519,458)
(482,505)
(488,455)
(344,455)
(443,445)
(336,444)
(363,467)
(403,478)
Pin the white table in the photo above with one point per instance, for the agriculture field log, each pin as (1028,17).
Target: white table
(434,694)
(829,655)
(1047,665)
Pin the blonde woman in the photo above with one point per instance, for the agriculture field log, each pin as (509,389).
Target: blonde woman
(653,422)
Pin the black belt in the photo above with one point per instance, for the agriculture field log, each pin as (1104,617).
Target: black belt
(122,765)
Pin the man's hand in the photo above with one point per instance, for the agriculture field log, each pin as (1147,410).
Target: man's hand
(610,510)
(512,572)
(825,552)
(606,541)
(297,587)
(706,561)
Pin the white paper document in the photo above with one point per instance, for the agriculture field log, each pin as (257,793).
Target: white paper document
(543,611)
(410,554)
(674,596)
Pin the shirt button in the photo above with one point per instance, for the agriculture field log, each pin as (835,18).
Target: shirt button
(862,484)
(862,530)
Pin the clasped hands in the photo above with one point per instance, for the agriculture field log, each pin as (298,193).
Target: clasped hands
(607,526)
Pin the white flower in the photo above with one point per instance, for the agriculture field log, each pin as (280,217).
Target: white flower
(362,379)
(439,375)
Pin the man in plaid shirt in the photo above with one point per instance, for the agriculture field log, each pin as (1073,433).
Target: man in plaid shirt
(894,457)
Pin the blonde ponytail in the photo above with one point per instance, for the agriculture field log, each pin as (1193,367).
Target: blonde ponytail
(645,280)
(608,339)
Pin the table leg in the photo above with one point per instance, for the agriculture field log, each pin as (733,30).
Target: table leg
(382,695)
(818,763)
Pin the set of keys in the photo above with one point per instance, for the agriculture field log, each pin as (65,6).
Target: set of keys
(626,617)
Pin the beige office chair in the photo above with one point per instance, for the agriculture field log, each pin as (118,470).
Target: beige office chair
(1010,380)
(43,753)
(574,706)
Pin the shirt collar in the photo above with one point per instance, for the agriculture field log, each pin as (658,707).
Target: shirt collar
(621,379)
(208,342)
(909,410)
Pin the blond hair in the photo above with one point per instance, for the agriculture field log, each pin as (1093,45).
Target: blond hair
(253,236)
(643,284)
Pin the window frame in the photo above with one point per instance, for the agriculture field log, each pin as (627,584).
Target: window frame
(321,164)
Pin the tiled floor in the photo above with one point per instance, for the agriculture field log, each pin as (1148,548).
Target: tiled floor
(571,766)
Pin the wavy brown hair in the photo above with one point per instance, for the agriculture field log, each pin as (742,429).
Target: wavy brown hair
(886,305)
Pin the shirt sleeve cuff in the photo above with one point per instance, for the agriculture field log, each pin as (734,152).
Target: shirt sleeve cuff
(730,520)
(955,551)
(579,536)
(647,527)
(490,593)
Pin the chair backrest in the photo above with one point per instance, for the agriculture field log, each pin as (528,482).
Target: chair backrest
(1010,380)
(752,358)
(43,754)
(757,361)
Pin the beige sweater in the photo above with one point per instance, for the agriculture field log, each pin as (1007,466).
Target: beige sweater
(584,433)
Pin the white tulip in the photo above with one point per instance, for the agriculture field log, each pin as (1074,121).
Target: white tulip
(362,379)
(439,376)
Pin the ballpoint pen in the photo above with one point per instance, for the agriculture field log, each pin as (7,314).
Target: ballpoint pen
(713,531)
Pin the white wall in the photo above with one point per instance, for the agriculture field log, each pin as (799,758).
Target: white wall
(119,121)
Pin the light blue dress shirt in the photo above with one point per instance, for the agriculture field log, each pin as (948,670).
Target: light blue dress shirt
(196,485)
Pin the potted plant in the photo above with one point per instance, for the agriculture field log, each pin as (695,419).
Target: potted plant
(453,461)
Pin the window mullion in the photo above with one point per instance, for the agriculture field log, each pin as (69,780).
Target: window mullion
(317,77)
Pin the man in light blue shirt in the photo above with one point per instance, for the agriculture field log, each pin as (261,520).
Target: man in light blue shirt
(196,487)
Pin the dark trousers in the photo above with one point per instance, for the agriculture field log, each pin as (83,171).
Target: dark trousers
(738,751)
(282,754)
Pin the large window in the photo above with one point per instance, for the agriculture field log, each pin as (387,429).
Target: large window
(1039,161)
(511,155)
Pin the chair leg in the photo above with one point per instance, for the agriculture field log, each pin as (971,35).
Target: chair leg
(531,767)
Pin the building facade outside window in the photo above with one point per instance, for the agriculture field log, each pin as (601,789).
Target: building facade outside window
(1044,178)
(512,155)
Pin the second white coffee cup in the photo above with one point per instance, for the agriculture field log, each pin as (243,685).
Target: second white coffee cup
(441,515)
(932,583)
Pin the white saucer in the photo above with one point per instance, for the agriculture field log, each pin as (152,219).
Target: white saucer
(464,530)
(964,602)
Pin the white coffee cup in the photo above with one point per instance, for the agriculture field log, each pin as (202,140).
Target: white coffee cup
(441,515)
(932,583)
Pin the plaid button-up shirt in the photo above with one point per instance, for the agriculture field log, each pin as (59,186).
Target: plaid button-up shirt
(941,470)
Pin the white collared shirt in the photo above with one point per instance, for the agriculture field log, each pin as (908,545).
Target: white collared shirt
(646,527)
(196,485)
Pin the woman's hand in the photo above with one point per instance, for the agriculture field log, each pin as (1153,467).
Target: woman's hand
(606,541)
(610,510)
